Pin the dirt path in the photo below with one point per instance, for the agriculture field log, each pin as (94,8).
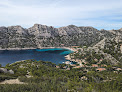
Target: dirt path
(12,81)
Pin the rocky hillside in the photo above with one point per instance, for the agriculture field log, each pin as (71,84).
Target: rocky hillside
(47,36)
(107,51)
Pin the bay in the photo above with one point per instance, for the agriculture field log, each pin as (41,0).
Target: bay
(55,55)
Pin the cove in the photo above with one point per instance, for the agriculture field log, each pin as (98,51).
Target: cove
(54,55)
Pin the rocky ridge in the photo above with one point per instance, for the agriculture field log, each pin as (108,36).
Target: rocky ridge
(47,36)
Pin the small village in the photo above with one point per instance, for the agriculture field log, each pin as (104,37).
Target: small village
(83,64)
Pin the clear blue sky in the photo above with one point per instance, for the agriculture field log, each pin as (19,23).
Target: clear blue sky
(101,14)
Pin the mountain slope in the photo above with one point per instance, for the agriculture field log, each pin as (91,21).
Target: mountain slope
(47,36)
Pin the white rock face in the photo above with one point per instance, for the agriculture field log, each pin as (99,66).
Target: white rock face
(11,71)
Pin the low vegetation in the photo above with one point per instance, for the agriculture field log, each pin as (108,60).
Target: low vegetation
(43,76)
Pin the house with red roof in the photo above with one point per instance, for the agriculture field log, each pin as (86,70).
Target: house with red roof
(100,69)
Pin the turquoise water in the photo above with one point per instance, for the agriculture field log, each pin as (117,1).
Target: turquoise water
(66,52)
(55,55)
(50,49)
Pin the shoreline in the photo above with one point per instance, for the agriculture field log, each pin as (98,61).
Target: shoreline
(67,57)
(69,48)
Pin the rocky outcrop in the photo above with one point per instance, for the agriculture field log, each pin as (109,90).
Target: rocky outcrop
(4,70)
(43,31)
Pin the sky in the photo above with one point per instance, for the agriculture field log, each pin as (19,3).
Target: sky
(101,14)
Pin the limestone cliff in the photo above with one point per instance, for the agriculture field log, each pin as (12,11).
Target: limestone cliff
(47,36)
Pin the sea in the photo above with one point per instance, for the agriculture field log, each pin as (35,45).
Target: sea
(54,55)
